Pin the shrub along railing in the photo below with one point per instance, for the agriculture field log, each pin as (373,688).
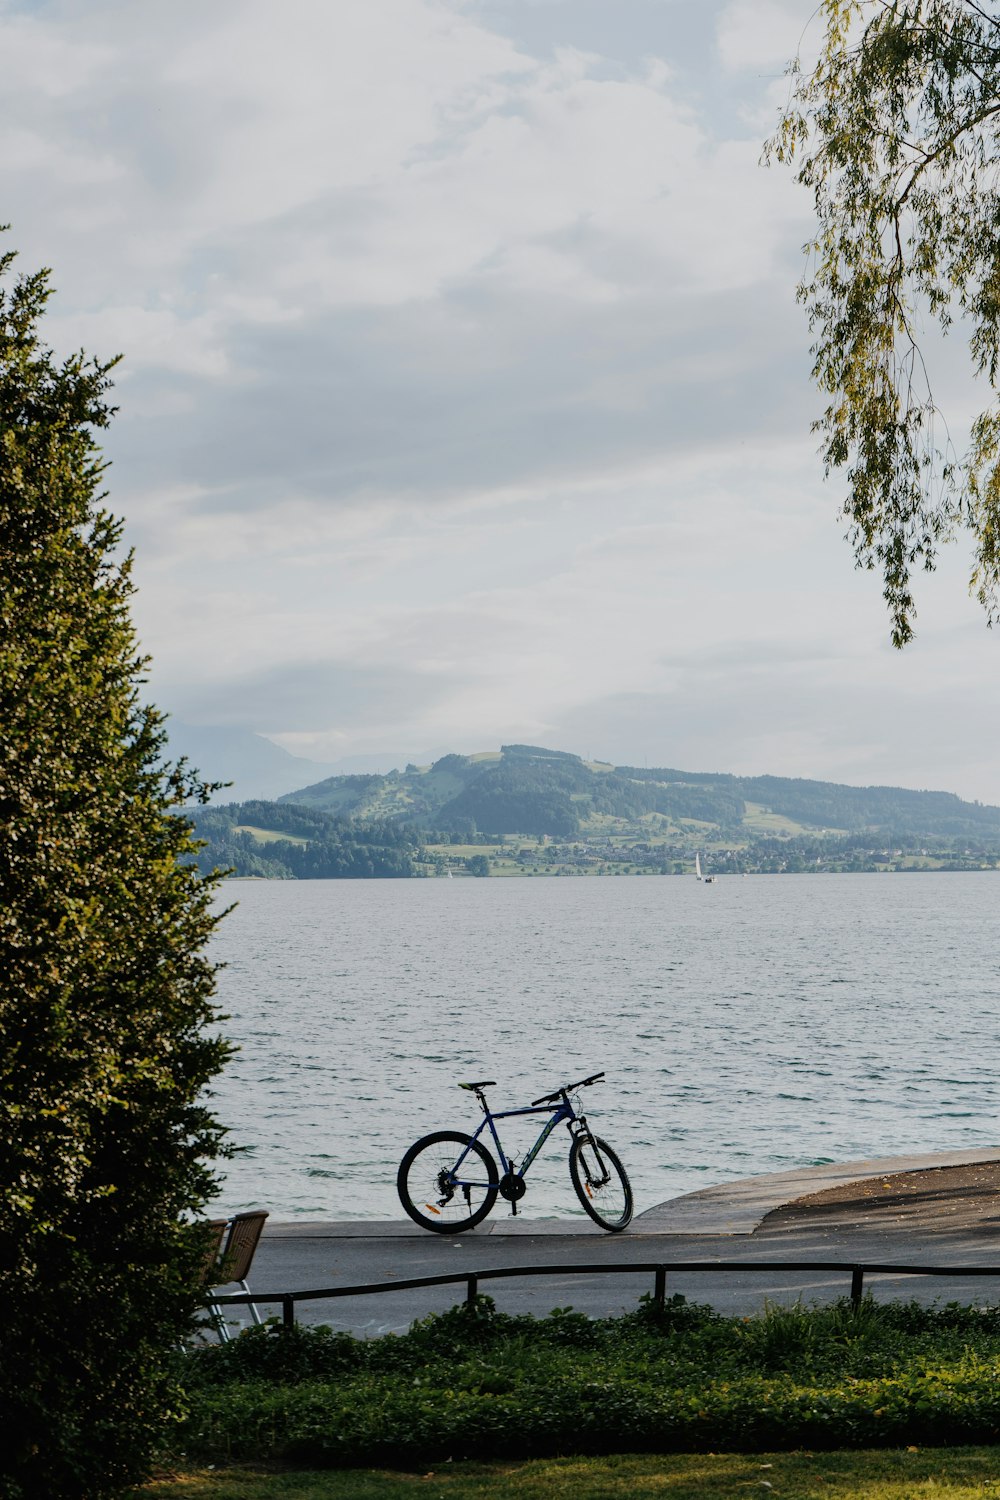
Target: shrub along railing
(658,1270)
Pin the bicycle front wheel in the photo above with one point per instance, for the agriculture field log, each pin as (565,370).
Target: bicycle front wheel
(447,1182)
(601,1183)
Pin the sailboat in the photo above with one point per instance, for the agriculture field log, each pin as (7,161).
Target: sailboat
(706,879)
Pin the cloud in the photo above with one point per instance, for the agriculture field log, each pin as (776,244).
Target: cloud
(465,397)
(330,699)
(49,60)
(374,155)
(797,719)
(755,34)
(681,587)
(386,251)
(158,338)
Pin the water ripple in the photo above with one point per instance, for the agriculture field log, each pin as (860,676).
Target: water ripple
(750,1027)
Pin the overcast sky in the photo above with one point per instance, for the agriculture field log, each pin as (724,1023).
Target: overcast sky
(465,396)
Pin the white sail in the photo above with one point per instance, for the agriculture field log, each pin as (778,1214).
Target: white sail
(697,866)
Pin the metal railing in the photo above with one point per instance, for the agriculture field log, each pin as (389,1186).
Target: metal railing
(658,1269)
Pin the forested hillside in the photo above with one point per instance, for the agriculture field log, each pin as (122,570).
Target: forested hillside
(286,842)
(528,810)
(527,789)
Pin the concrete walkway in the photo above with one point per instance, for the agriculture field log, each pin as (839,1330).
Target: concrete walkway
(741,1207)
(940,1209)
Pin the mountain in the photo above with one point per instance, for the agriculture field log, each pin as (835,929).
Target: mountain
(527,789)
(253,766)
(525,810)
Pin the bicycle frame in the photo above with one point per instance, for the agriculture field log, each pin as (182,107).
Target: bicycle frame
(563,1111)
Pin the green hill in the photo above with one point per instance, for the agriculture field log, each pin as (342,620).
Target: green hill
(275,842)
(526,810)
(527,789)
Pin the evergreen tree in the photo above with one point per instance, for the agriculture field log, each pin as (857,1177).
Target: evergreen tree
(105,989)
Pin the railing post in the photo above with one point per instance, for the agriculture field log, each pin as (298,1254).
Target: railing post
(857,1286)
(660,1286)
(471,1291)
(288,1312)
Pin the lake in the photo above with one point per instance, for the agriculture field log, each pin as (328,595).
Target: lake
(748,1026)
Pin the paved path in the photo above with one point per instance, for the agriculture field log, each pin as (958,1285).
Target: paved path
(941,1209)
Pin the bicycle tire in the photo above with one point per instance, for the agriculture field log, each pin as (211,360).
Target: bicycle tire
(424,1190)
(607,1201)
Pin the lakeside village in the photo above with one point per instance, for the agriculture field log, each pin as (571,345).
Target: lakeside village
(620,855)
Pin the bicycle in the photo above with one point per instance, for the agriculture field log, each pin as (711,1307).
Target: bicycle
(448,1181)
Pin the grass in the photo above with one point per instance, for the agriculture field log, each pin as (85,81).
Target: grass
(268,835)
(762,820)
(486,1386)
(873,1474)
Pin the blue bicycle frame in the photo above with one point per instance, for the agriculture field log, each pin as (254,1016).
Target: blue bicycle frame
(513,1179)
(563,1111)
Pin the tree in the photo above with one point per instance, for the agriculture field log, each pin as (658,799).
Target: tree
(896,132)
(105,990)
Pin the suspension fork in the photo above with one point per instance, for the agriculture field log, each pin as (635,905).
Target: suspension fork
(581,1131)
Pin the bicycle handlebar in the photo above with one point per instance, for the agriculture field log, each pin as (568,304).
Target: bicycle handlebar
(581,1083)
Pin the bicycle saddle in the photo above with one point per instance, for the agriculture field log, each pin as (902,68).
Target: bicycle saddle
(486,1083)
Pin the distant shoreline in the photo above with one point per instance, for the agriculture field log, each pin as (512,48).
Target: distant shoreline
(560,874)
(561,815)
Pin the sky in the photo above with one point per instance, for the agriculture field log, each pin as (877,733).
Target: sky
(464,395)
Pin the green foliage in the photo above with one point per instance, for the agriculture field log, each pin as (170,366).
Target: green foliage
(450,763)
(678,1378)
(504,801)
(894,809)
(336,848)
(105,993)
(896,133)
(676,794)
(824,804)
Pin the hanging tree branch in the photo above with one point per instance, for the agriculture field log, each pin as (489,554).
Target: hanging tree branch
(895,132)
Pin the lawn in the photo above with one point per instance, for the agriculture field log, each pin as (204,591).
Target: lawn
(269,835)
(763,821)
(870,1474)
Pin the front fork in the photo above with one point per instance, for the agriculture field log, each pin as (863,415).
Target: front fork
(581,1131)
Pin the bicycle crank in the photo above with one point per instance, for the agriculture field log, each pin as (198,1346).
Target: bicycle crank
(512,1187)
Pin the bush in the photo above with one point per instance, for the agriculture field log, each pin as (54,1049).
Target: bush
(673,1378)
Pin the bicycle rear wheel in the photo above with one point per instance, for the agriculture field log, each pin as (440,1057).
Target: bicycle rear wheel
(601,1183)
(447,1182)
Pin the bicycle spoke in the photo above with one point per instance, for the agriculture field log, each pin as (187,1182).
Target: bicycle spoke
(600,1182)
(446,1182)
